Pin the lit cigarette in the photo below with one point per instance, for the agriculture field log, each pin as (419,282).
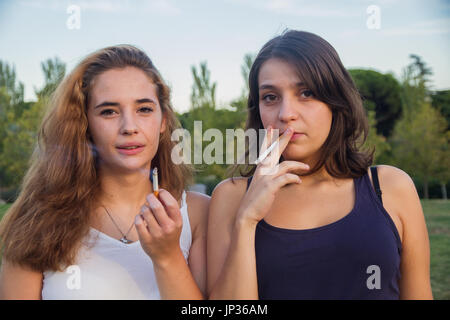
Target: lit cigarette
(155,182)
(266,153)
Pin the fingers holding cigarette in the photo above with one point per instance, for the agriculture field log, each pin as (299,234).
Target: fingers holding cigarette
(272,154)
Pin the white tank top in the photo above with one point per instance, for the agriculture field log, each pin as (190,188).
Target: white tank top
(109,269)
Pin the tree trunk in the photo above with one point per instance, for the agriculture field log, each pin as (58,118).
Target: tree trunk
(425,187)
(444,190)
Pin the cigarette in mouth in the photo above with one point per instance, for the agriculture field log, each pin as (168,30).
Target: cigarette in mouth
(155,182)
(266,153)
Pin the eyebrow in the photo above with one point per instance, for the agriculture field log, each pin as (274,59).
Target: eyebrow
(115,104)
(271,86)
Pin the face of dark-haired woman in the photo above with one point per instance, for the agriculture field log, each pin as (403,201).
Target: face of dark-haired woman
(284,102)
(125,118)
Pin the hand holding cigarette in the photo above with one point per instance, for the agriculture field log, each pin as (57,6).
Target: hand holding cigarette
(269,177)
(159,223)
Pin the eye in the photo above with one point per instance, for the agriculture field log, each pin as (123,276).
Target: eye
(146,109)
(269,98)
(107,112)
(307,94)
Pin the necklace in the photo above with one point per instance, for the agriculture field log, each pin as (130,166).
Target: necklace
(124,236)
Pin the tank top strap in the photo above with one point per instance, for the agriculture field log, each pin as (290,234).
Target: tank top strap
(249,180)
(183,199)
(372,192)
(376,183)
(186,233)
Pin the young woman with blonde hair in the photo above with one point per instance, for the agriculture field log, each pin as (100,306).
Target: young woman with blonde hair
(86,221)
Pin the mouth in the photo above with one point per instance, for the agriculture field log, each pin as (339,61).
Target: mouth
(130,148)
(296,136)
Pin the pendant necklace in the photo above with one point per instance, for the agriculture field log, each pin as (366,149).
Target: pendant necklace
(124,236)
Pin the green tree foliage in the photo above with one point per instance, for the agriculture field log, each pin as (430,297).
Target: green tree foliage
(441,101)
(420,145)
(20,120)
(414,85)
(204,109)
(203,91)
(420,141)
(381,93)
(54,71)
(379,142)
(9,84)
(11,107)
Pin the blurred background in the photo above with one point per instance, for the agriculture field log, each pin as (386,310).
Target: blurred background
(395,50)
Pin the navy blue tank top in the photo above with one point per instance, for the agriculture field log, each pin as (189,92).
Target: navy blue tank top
(356,257)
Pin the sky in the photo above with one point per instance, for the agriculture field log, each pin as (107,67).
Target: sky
(177,34)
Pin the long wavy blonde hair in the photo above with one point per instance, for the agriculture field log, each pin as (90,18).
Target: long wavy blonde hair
(44,227)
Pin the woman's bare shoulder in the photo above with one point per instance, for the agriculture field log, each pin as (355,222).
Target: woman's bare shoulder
(234,187)
(396,181)
(226,198)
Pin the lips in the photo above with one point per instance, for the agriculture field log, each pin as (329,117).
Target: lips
(295,133)
(130,145)
(130,148)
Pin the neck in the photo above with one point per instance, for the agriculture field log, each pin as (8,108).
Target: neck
(124,189)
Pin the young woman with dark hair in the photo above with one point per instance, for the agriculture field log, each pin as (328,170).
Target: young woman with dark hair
(309,222)
(86,220)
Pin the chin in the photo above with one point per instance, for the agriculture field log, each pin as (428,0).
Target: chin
(296,156)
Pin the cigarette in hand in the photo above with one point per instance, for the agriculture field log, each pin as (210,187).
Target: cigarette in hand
(266,153)
(155,182)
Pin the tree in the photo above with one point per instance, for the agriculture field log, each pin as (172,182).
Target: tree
(420,145)
(20,120)
(54,71)
(204,109)
(8,81)
(441,101)
(415,82)
(12,106)
(374,140)
(381,93)
(203,91)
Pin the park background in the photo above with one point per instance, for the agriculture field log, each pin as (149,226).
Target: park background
(396,52)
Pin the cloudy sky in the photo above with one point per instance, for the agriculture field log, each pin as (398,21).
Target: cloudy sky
(177,34)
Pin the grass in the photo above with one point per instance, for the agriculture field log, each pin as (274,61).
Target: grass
(437,216)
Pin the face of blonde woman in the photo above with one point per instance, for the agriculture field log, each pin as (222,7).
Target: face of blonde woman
(125,119)
(284,101)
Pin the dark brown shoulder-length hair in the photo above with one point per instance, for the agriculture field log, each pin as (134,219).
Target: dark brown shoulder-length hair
(320,69)
(44,227)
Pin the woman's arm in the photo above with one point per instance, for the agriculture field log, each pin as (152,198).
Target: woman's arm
(230,251)
(198,206)
(399,189)
(19,283)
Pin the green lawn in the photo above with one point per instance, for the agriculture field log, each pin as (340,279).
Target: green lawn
(437,215)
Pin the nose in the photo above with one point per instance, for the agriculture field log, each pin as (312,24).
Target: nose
(288,110)
(128,125)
